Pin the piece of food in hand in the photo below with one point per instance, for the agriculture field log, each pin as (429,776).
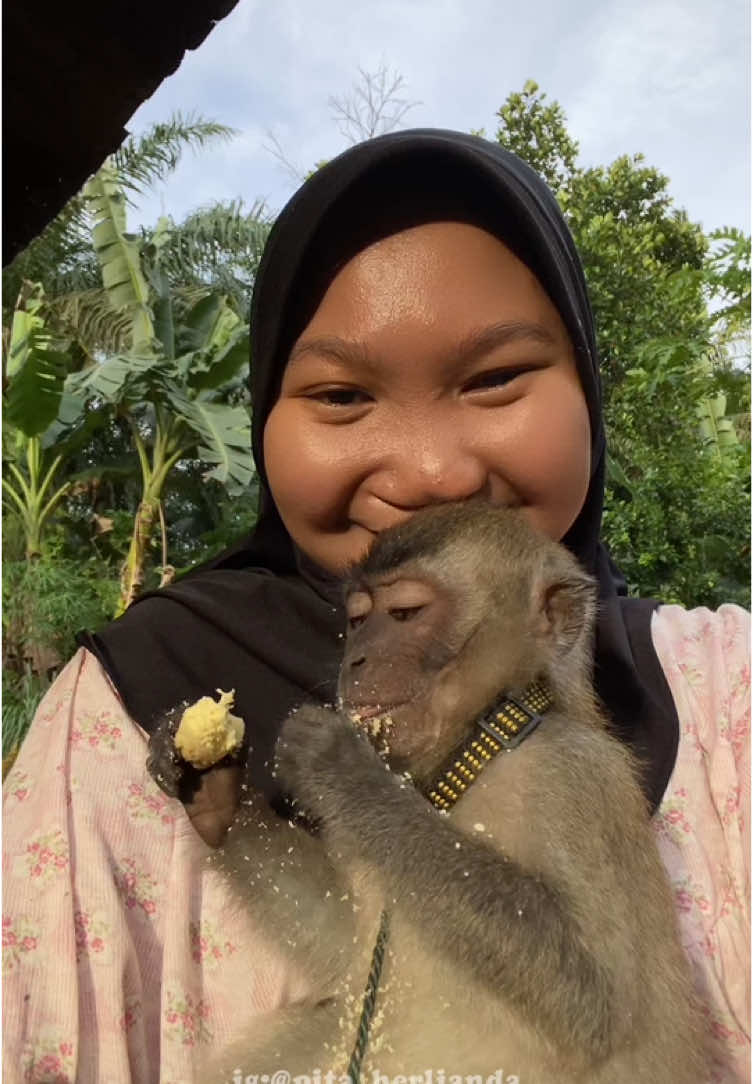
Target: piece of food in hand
(208,731)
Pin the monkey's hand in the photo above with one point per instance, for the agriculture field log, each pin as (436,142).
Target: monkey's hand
(321,756)
(210,796)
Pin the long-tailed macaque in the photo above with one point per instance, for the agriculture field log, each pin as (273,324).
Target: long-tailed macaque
(531,928)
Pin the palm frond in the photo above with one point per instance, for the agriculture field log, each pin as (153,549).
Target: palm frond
(218,247)
(61,257)
(149,158)
(89,317)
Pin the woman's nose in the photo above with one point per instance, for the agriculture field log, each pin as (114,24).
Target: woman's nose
(434,463)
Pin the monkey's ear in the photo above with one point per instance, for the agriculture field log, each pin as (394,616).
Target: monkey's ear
(566,599)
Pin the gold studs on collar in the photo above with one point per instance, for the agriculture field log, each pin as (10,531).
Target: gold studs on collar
(503,726)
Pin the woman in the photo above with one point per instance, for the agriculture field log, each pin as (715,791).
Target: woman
(420,333)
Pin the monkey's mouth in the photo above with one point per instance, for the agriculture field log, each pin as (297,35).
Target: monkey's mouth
(361,713)
(375,721)
(368,711)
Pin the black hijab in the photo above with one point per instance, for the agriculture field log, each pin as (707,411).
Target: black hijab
(262,618)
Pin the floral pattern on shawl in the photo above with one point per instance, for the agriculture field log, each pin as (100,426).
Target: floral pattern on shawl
(127,936)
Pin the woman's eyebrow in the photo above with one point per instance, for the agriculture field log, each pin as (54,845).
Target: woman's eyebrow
(478,343)
(332,346)
(469,348)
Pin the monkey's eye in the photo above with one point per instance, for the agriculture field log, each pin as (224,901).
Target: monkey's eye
(404,613)
(358,606)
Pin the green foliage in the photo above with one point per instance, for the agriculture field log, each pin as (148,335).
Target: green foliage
(225,433)
(35,368)
(88,319)
(642,259)
(44,603)
(218,247)
(679,533)
(119,256)
(38,414)
(22,694)
(676,407)
(185,392)
(537,133)
(61,258)
(127,367)
(204,519)
(727,278)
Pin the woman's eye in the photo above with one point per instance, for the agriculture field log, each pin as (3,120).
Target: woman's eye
(344,397)
(495,378)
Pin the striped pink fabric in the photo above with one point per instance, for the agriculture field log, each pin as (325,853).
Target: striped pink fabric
(121,953)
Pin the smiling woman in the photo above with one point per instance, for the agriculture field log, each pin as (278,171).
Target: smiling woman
(451,375)
(421,333)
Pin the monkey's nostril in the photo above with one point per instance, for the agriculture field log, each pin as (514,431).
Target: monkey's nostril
(354,622)
(357,662)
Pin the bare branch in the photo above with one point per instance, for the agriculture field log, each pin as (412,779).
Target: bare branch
(276,150)
(374,105)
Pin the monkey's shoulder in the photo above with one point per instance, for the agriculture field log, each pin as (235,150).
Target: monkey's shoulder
(564,779)
(570,749)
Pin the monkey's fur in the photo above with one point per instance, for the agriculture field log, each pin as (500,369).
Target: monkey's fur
(532,929)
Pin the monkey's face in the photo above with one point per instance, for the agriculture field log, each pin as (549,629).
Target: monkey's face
(435,368)
(431,642)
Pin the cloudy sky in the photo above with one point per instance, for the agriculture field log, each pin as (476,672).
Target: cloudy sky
(668,78)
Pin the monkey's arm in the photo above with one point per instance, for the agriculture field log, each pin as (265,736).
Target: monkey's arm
(510,929)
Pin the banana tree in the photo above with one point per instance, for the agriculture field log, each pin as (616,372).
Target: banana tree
(171,386)
(716,421)
(38,416)
(717,428)
(174,409)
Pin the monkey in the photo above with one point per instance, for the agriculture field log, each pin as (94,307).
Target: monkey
(531,928)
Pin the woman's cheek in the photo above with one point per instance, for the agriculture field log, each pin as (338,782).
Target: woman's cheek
(307,463)
(558,467)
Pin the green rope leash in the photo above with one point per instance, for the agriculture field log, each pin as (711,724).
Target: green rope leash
(503,726)
(369,1000)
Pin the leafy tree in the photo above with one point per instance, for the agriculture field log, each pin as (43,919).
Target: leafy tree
(676,405)
(216,248)
(728,277)
(43,425)
(167,385)
(537,132)
(642,260)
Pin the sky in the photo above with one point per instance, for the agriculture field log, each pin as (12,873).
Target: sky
(667,78)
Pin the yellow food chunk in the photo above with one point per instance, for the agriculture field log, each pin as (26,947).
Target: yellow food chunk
(208,732)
